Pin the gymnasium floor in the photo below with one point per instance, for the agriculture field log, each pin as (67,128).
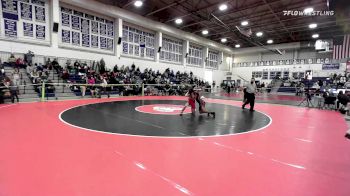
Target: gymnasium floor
(141,146)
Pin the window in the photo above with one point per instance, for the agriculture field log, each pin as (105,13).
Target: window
(138,43)
(286,74)
(213,58)
(278,74)
(265,75)
(25,20)
(272,75)
(257,74)
(295,75)
(195,56)
(85,30)
(171,50)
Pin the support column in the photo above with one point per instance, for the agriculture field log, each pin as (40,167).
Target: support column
(205,57)
(221,61)
(119,34)
(295,55)
(260,57)
(55,18)
(159,44)
(185,51)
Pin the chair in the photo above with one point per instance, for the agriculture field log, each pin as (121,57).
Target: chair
(330,101)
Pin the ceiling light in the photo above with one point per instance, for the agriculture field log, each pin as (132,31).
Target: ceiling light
(223,40)
(205,32)
(270,41)
(315,35)
(222,7)
(259,34)
(244,23)
(138,3)
(237,46)
(178,21)
(312,26)
(308,10)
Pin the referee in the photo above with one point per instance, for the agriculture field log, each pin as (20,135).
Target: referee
(251,89)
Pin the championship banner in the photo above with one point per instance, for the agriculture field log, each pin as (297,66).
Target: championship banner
(26,11)
(308,74)
(40,32)
(27,29)
(9,9)
(10,28)
(75,22)
(110,44)
(94,27)
(65,36)
(39,14)
(330,66)
(94,41)
(103,30)
(75,38)
(85,40)
(65,18)
(103,43)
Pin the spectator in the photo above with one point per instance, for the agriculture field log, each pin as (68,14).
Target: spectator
(342,99)
(49,87)
(19,63)
(16,78)
(12,60)
(34,75)
(56,66)
(13,90)
(91,82)
(28,58)
(250,98)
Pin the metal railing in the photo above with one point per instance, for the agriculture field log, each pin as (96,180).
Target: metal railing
(45,91)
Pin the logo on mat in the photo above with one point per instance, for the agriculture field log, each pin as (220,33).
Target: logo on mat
(166,109)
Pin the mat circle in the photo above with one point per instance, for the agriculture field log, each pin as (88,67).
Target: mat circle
(124,117)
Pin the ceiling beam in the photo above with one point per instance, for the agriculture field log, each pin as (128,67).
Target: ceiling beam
(175,3)
(263,14)
(279,20)
(235,11)
(128,3)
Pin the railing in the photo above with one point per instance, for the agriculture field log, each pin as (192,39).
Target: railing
(4,55)
(288,62)
(55,91)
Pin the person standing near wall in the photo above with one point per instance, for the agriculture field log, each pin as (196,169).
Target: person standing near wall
(251,89)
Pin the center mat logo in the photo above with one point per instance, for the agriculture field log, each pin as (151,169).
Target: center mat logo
(166,109)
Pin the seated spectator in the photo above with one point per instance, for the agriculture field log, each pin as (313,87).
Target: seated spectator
(29,68)
(49,87)
(16,78)
(19,63)
(65,75)
(34,75)
(12,60)
(342,99)
(2,91)
(13,90)
(56,66)
(2,72)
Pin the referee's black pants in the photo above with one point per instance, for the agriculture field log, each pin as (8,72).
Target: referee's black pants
(250,99)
